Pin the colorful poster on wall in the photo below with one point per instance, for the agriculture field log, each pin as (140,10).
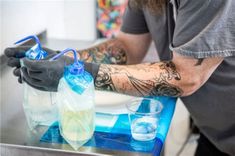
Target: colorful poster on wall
(109,16)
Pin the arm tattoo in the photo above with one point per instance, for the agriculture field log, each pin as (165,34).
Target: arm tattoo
(104,81)
(199,62)
(110,52)
(151,79)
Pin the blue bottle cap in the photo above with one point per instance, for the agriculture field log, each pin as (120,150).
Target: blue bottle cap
(76,69)
(75,75)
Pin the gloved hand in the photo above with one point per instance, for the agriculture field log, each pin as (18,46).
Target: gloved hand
(16,53)
(44,74)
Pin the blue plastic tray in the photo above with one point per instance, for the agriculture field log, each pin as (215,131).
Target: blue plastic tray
(118,137)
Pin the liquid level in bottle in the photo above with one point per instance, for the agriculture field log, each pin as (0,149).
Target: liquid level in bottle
(77,125)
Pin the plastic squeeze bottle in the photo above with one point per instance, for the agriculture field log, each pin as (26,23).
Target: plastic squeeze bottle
(39,106)
(75,101)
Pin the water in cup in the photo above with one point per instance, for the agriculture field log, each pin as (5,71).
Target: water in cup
(143,116)
(144,129)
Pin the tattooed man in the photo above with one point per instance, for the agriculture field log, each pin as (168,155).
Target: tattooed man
(195,40)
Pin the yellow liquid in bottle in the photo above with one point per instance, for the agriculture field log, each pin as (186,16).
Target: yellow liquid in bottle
(77,125)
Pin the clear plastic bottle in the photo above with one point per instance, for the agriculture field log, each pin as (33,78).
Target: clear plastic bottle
(39,106)
(75,101)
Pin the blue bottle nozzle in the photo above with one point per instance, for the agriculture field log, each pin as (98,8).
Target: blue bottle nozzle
(34,37)
(77,67)
(36,52)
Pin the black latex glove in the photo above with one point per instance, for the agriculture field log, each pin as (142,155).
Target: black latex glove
(44,74)
(16,53)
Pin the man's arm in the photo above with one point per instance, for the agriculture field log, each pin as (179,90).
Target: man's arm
(112,51)
(124,49)
(180,77)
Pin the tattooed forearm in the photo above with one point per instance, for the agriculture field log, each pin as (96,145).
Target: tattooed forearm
(104,81)
(199,62)
(152,79)
(109,52)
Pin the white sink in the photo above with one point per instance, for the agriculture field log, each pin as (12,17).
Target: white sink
(111,103)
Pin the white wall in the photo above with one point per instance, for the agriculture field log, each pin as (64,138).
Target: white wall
(80,20)
(64,19)
(0,26)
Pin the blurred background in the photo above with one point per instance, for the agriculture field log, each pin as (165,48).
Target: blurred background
(62,19)
(84,20)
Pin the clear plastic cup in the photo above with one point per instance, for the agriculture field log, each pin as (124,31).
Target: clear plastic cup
(144,115)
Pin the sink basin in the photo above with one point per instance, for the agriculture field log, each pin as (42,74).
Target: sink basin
(110,102)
